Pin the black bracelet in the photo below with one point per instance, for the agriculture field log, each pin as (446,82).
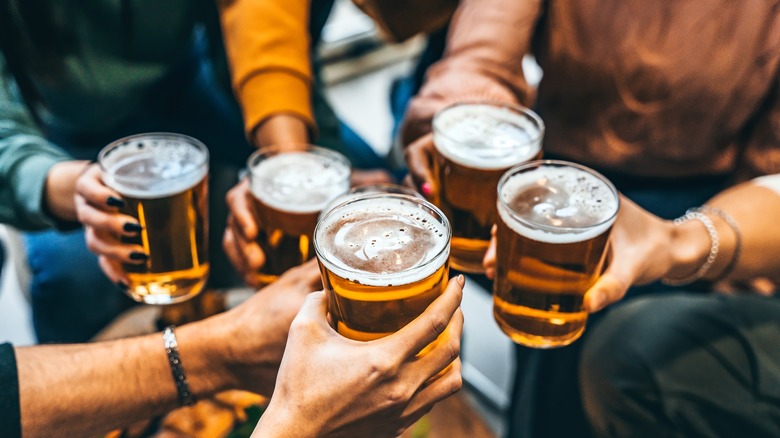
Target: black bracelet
(177,369)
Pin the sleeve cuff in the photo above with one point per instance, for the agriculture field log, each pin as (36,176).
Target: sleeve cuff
(275,92)
(30,181)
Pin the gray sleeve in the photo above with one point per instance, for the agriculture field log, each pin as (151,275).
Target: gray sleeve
(25,159)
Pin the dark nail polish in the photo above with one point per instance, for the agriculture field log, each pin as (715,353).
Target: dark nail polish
(138,256)
(122,286)
(132,228)
(114,202)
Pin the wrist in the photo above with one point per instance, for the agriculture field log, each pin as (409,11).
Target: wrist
(279,422)
(60,189)
(200,349)
(282,130)
(690,247)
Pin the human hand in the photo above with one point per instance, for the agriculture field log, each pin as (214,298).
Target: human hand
(642,249)
(332,386)
(240,238)
(98,208)
(252,336)
(419,158)
(60,189)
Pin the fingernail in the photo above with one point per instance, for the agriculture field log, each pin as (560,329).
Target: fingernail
(122,286)
(132,228)
(114,202)
(138,256)
(461,280)
(426,188)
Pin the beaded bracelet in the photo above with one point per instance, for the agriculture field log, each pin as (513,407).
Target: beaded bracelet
(177,369)
(737,238)
(714,246)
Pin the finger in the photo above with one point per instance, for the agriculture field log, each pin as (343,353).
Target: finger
(419,159)
(431,323)
(105,245)
(312,314)
(307,274)
(240,202)
(611,287)
(114,272)
(233,253)
(435,391)
(446,350)
(489,261)
(247,253)
(112,223)
(90,186)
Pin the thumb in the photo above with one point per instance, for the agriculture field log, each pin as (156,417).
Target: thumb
(313,313)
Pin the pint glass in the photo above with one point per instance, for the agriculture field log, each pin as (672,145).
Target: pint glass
(290,189)
(554,222)
(163,180)
(475,144)
(383,259)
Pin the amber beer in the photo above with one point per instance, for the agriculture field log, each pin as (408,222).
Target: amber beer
(291,188)
(163,181)
(554,222)
(383,259)
(476,143)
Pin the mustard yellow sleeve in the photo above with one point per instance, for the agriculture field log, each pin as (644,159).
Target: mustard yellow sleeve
(268,44)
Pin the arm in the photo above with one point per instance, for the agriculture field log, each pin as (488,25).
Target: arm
(36,180)
(483,60)
(86,389)
(645,248)
(267,44)
(81,390)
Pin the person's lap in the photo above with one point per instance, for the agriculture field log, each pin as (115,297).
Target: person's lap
(685,365)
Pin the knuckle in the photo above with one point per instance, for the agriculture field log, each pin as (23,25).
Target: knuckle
(438,324)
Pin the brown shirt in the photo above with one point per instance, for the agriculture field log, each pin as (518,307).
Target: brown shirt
(662,88)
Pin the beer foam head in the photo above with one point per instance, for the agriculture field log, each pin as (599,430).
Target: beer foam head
(154,165)
(300,182)
(487,136)
(383,240)
(557,204)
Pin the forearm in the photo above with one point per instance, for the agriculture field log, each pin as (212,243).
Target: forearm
(755,211)
(282,130)
(88,389)
(483,60)
(268,48)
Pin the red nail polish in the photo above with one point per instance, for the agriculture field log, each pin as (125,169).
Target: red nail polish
(426,188)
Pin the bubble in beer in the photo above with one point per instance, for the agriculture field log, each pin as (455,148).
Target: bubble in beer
(560,201)
(486,136)
(300,182)
(381,237)
(144,168)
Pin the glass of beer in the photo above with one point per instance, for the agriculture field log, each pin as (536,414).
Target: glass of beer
(384,259)
(475,144)
(163,179)
(291,189)
(554,222)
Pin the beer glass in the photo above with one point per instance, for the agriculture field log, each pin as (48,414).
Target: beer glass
(384,259)
(290,189)
(475,144)
(554,222)
(163,180)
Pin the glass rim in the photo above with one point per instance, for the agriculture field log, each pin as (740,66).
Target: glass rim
(273,150)
(419,201)
(558,163)
(199,145)
(517,109)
